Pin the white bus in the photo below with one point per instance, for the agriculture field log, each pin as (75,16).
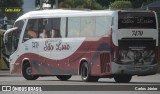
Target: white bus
(92,44)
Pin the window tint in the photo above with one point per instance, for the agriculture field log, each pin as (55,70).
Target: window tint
(19,24)
(63,27)
(103,24)
(8,39)
(11,41)
(90,26)
(49,28)
(74,27)
(44,28)
(31,30)
(87,26)
(15,39)
(56,33)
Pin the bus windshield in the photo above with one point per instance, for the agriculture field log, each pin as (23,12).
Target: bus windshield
(11,41)
(12,38)
(140,20)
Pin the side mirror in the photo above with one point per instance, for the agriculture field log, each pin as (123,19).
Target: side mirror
(25,39)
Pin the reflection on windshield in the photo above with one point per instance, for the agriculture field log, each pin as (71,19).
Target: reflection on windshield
(11,41)
(11,37)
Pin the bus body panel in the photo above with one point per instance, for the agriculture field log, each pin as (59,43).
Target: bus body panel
(44,63)
(137,33)
(61,56)
(134,69)
(136,39)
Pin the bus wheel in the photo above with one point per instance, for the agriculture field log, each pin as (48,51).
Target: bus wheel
(122,78)
(64,77)
(27,72)
(85,74)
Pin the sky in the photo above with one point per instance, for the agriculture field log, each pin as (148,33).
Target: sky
(29,5)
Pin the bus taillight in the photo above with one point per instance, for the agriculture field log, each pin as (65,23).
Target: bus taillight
(156,56)
(117,56)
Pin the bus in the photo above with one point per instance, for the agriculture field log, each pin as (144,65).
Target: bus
(4,64)
(93,44)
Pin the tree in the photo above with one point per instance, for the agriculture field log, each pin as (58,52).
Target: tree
(136,3)
(88,4)
(105,3)
(10,4)
(121,5)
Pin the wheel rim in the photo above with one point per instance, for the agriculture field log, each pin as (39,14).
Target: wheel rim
(29,71)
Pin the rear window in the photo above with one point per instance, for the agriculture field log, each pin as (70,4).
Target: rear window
(140,20)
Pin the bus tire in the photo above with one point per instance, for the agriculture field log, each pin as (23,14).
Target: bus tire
(64,77)
(85,74)
(27,72)
(122,78)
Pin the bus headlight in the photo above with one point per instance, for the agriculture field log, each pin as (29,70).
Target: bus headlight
(126,56)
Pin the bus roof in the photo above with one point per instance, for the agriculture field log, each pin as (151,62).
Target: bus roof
(69,13)
(62,13)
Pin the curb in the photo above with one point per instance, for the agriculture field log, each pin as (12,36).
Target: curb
(6,73)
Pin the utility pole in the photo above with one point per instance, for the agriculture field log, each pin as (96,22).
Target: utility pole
(56,3)
(51,2)
(41,4)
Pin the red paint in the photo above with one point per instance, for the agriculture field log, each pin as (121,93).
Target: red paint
(87,50)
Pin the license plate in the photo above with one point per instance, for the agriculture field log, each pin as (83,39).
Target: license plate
(137,68)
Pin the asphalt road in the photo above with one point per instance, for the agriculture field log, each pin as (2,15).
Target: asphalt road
(76,80)
(143,81)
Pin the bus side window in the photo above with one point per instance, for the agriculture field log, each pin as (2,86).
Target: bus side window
(87,26)
(55,31)
(103,25)
(74,28)
(31,30)
(50,28)
(43,34)
(63,28)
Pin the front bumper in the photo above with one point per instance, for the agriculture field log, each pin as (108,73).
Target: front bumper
(140,70)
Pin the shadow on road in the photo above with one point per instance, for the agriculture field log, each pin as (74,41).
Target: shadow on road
(103,82)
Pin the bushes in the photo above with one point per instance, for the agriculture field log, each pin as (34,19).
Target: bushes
(10,22)
(81,4)
(121,5)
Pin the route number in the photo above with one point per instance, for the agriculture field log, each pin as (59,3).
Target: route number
(137,33)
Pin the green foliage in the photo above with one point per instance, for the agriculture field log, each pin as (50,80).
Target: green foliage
(121,5)
(137,3)
(88,4)
(10,22)
(105,3)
